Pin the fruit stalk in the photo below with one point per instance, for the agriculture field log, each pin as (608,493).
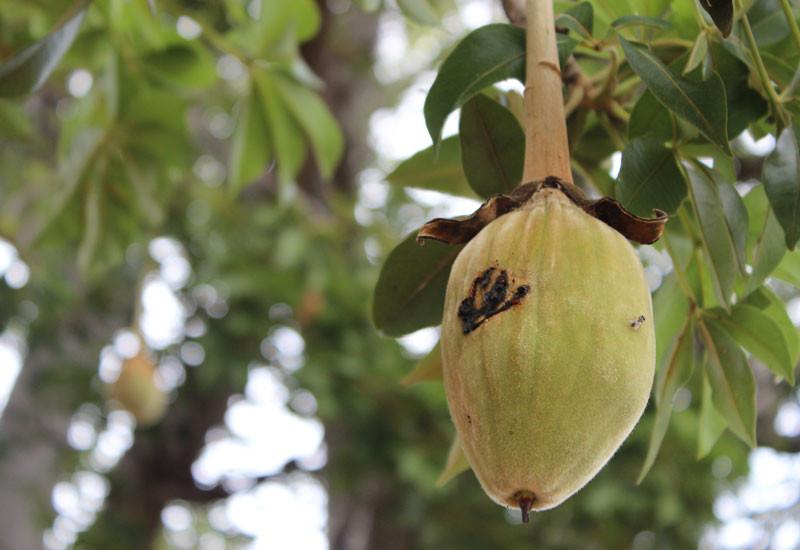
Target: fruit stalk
(546,144)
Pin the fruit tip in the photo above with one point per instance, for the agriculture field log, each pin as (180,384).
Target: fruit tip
(525,503)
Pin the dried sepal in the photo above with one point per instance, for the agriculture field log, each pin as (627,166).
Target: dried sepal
(641,230)
(461,230)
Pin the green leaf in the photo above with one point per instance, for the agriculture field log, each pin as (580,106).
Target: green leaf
(313,116)
(721,12)
(650,178)
(300,19)
(768,22)
(437,168)
(427,369)
(716,236)
(492,145)
(584,14)
(702,104)
(678,365)
(745,105)
(650,118)
(767,252)
(711,424)
(789,269)
(410,291)
(420,11)
(782,182)
(14,121)
(82,153)
(735,216)
(486,55)
(761,336)
(732,382)
(764,299)
(182,66)
(673,374)
(24,72)
(456,463)
(251,149)
(287,137)
(698,53)
(640,21)
(670,308)
(579,18)
(765,234)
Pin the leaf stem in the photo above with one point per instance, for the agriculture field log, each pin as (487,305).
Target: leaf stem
(546,144)
(763,75)
(789,14)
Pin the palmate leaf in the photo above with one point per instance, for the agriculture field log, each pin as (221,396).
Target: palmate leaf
(670,310)
(24,72)
(673,374)
(732,382)
(721,232)
(761,336)
(409,294)
(437,168)
(300,19)
(702,104)
(287,138)
(711,423)
(315,119)
(279,118)
(486,55)
(420,11)
(649,177)
(745,105)
(766,240)
(492,146)
(650,118)
(251,147)
(782,183)
(771,305)
(579,19)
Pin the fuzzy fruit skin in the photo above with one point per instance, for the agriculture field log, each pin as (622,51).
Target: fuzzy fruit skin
(543,393)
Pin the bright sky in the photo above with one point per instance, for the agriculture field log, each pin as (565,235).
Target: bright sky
(261,434)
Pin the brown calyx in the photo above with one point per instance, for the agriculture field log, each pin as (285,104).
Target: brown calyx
(606,209)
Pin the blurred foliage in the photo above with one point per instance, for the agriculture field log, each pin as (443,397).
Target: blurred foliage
(238,130)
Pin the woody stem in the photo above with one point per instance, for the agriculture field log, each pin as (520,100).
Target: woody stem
(546,145)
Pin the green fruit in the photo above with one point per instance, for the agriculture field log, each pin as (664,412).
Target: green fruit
(137,392)
(548,350)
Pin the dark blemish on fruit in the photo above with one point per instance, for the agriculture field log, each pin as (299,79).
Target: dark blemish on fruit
(469,420)
(637,322)
(494,298)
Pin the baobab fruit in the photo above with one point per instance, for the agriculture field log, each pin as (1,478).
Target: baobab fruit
(137,392)
(548,350)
